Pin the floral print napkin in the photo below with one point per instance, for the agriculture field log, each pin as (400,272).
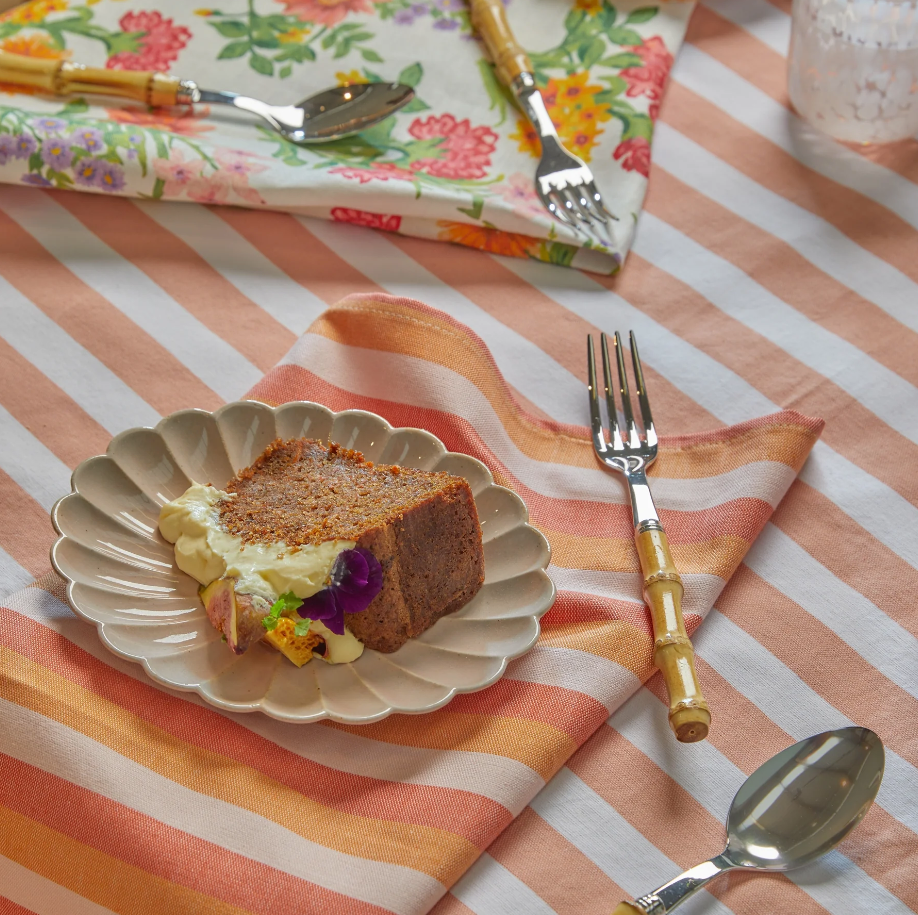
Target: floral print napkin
(457,164)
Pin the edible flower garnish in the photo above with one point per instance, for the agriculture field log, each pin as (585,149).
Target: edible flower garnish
(287,601)
(355,579)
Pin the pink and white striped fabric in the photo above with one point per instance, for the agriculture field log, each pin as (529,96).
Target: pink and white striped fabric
(771,270)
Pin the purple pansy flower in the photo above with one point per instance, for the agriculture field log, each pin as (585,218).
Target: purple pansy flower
(111,176)
(25,145)
(35,180)
(57,153)
(89,139)
(86,172)
(7,147)
(48,125)
(356,578)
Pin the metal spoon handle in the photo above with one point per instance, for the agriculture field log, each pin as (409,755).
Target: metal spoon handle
(671,894)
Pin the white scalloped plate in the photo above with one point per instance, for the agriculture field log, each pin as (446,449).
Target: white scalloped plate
(122,575)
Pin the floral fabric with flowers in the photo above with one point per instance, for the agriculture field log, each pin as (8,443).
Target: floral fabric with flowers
(457,164)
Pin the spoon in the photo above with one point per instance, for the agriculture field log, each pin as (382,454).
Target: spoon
(321,118)
(793,809)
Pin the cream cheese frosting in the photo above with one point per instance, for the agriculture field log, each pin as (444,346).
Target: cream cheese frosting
(206,552)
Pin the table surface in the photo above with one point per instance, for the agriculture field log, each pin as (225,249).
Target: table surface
(772,269)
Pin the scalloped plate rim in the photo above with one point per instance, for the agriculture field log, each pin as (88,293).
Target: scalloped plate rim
(259,704)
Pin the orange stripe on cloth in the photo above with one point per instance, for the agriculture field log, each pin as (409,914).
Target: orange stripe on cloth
(560,874)
(116,341)
(102,878)
(404,828)
(183,274)
(25,529)
(870,224)
(798,282)
(8,907)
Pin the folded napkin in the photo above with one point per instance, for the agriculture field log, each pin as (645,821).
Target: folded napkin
(141,799)
(457,164)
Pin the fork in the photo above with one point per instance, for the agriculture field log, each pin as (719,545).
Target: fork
(631,453)
(564,183)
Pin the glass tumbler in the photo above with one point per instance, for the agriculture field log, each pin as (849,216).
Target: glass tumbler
(853,68)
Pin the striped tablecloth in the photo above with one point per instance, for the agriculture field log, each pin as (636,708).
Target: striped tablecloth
(771,270)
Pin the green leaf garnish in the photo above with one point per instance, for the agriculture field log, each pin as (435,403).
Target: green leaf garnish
(302,627)
(287,601)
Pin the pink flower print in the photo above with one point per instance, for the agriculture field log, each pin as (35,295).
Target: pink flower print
(157,49)
(634,155)
(519,191)
(363,218)
(383,172)
(464,153)
(212,189)
(236,166)
(327,12)
(649,78)
(177,172)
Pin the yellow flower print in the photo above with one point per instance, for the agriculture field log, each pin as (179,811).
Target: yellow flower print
(33,46)
(591,7)
(293,35)
(34,12)
(572,105)
(348,79)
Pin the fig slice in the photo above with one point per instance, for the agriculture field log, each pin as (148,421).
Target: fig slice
(233,614)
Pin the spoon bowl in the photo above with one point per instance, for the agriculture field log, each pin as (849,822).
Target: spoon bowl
(793,809)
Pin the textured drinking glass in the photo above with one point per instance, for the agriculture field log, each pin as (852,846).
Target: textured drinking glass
(853,67)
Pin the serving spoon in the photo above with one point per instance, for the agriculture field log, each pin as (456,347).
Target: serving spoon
(329,115)
(793,809)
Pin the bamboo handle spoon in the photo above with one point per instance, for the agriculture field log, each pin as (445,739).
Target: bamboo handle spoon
(793,809)
(322,118)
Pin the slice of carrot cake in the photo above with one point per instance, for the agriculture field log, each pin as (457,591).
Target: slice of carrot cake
(318,551)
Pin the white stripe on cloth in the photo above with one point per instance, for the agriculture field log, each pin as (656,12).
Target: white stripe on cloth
(131,291)
(749,105)
(878,508)
(793,705)
(419,382)
(498,778)
(761,19)
(76,371)
(12,575)
(813,238)
(886,394)
(877,638)
(523,364)
(617,848)
(43,475)
(488,888)
(701,589)
(712,780)
(601,679)
(30,890)
(71,755)
(237,261)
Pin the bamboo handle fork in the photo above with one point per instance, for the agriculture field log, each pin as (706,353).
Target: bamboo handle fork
(630,454)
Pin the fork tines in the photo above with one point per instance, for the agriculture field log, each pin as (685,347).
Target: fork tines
(633,440)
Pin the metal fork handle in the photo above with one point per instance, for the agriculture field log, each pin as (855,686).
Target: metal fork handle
(689,715)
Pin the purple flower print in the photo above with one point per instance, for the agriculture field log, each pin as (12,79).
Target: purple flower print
(57,153)
(135,138)
(450,6)
(86,172)
(49,125)
(407,16)
(7,147)
(35,180)
(25,145)
(447,25)
(88,138)
(111,176)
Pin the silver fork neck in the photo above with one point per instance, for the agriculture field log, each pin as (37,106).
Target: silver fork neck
(530,98)
(643,511)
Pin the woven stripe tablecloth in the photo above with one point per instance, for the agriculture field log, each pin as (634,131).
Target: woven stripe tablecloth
(771,270)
